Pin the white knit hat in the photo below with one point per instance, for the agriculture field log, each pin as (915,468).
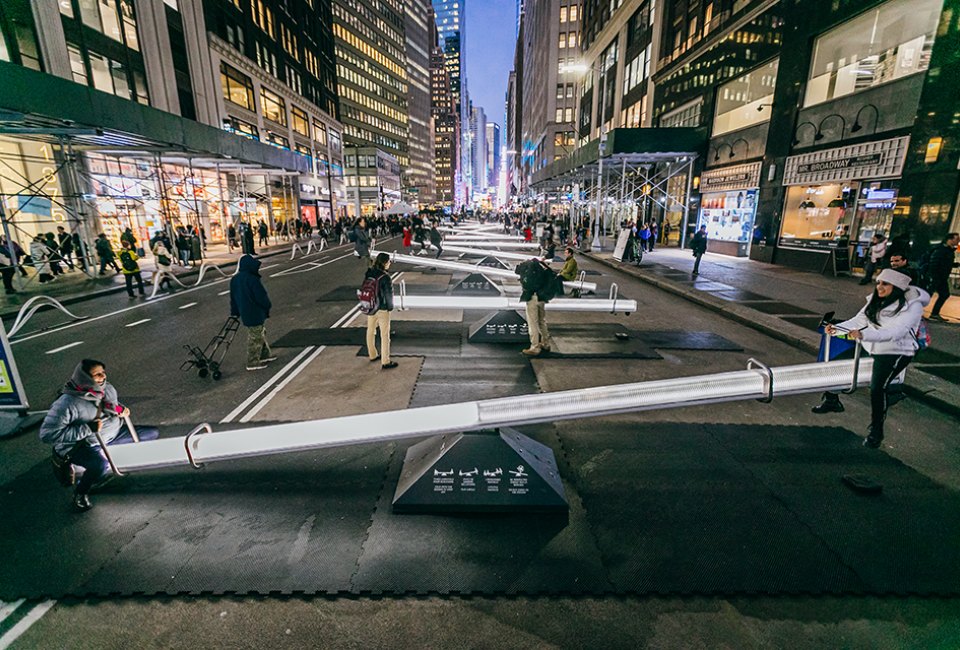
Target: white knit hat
(897,279)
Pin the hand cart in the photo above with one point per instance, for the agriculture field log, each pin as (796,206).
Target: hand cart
(208,360)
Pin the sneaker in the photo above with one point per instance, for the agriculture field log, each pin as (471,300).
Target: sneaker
(873,439)
(267,359)
(829,404)
(63,470)
(259,366)
(386,366)
(531,352)
(81,502)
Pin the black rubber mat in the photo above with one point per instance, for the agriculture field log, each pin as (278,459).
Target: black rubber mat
(779,308)
(583,347)
(740,295)
(935,355)
(445,380)
(344,294)
(950,373)
(656,508)
(419,330)
(664,339)
(809,322)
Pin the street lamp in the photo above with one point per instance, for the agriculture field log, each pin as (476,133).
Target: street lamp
(582,68)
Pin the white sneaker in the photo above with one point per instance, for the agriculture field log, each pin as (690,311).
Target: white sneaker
(258,367)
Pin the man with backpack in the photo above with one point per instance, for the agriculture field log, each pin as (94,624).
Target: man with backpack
(540,285)
(131,270)
(938,272)
(376,301)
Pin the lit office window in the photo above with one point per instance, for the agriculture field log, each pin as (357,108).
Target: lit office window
(273,106)
(237,87)
(746,100)
(885,43)
(301,122)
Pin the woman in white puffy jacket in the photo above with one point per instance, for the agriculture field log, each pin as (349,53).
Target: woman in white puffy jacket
(887,327)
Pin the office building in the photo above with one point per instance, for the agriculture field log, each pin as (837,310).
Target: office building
(419,177)
(446,122)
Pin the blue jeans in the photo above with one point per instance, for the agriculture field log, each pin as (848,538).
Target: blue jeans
(94,461)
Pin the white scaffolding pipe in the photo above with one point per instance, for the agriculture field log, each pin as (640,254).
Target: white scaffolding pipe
(472,268)
(757,382)
(489,303)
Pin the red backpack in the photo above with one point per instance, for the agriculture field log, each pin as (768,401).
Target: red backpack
(369,296)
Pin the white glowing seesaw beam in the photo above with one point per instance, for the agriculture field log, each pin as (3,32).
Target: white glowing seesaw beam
(493,244)
(473,268)
(484,252)
(506,411)
(503,302)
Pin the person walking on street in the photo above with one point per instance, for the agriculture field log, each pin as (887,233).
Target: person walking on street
(40,255)
(874,257)
(699,246)
(53,253)
(196,248)
(887,327)
(436,239)
(540,285)
(164,262)
(129,237)
(8,269)
(407,238)
(131,269)
(262,231)
(248,248)
(938,271)
(249,301)
(231,238)
(361,240)
(78,250)
(106,254)
(87,406)
(65,244)
(378,315)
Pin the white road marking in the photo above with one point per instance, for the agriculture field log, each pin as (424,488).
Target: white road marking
(65,347)
(223,293)
(119,311)
(24,623)
(312,265)
(264,268)
(279,387)
(187,306)
(139,322)
(7,608)
(237,411)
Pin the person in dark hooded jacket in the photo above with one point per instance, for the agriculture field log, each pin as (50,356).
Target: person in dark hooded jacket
(87,406)
(249,301)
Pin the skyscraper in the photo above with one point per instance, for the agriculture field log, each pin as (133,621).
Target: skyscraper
(419,178)
(453,39)
(493,155)
(446,123)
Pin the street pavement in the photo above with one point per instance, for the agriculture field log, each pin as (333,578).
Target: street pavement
(142,343)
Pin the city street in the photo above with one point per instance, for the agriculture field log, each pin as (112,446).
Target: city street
(143,359)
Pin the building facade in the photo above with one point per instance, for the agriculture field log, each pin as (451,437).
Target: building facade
(446,124)
(478,151)
(451,26)
(197,114)
(493,155)
(373,84)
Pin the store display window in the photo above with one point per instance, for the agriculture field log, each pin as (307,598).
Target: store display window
(818,216)
(875,209)
(729,216)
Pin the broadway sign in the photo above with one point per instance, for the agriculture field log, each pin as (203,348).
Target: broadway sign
(840,163)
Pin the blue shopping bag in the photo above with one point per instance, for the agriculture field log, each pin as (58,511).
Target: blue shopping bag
(841,347)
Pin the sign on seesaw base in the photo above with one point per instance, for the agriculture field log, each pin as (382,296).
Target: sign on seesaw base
(13,401)
(500,470)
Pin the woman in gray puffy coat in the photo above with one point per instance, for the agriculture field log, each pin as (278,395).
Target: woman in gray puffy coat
(87,405)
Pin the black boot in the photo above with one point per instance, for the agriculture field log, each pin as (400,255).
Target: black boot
(874,437)
(81,502)
(829,404)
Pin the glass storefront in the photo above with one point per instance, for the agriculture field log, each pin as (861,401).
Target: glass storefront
(818,216)
(729,217)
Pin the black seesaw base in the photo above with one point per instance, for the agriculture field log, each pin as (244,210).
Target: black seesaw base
(498,470)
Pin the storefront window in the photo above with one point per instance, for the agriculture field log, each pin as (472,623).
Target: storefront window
(728,216)
(883,44)
(875,207)
(746,100)
(818,216)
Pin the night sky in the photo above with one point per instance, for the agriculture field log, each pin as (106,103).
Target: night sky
(491,34)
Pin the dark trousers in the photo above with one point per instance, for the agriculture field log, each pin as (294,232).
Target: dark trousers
(941,287)
(94,461)
(696,265)
(8,272)
(129,278)
(103,265)
(886,367)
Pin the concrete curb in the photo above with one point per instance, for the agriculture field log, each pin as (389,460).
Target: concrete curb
(924,387)
(72,299)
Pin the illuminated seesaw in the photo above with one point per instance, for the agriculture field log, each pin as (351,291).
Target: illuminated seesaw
(456,241)
(489,303)
(757,382)
(473,268)
(486,252)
